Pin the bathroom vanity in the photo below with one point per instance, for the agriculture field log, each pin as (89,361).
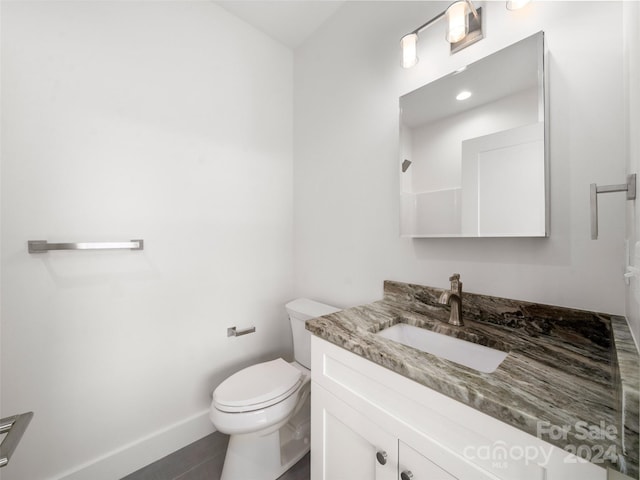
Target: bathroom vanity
(567,388)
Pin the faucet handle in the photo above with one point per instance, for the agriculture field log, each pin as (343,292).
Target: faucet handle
(456,284)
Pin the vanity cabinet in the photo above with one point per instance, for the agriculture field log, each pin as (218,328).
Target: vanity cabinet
(356,447)
(368,422)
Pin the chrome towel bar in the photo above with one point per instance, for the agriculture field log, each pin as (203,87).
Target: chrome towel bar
(42,246)
(629,187)
(14,427)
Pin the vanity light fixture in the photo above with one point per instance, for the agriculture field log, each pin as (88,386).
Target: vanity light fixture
(409,45)
(457,21)
(516,4)
(464,27)
(463,95)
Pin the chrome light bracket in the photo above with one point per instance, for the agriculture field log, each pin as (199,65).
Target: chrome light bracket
(475,34)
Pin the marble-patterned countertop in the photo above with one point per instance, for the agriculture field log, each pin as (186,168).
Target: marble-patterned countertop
(564,366)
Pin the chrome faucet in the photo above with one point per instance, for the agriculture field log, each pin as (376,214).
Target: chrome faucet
(453,297)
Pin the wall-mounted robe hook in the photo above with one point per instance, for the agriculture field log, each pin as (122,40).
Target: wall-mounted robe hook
(629,187)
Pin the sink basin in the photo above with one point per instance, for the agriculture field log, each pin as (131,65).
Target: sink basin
(472,355)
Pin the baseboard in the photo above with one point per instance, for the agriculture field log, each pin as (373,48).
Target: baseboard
(142,452)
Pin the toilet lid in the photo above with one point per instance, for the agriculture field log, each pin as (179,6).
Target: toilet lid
(257,386)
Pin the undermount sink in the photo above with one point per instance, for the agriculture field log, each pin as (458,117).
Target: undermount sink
(478,357)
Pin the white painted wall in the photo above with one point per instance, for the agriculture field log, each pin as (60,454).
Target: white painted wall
(631,30)
(347,84)
(167,121)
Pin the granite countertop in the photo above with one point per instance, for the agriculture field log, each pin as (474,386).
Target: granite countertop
(564,366)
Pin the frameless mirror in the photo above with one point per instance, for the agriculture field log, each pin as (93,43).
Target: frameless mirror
(472,149)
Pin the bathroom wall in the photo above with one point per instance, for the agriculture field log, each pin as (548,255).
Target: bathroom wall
(631,32)
(347,83)
(166,121)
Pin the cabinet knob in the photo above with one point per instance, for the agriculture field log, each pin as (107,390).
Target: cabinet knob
(382,457)
(406,475)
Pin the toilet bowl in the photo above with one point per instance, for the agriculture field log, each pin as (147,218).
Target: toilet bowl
(259,398)
(265,408)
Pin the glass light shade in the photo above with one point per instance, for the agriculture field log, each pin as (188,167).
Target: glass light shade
(457,21)
(409,45)
(516,4)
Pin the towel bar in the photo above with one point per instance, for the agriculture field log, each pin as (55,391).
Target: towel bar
(629,187)
(14,427)
(42,246)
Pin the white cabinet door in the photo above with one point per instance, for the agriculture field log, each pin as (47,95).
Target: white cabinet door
(351,446)
(414,466)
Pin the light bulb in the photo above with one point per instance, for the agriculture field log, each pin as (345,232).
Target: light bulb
(516,4)
(409,50)
(457,21)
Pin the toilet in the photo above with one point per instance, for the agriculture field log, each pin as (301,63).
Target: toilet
(265,408)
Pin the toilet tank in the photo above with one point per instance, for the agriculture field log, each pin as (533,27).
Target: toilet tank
(301,310)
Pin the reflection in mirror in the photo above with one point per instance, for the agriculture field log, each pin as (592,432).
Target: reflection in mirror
(472,149)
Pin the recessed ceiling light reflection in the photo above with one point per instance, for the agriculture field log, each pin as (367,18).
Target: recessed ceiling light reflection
(463,95)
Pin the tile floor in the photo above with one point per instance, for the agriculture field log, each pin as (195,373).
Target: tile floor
(202,460)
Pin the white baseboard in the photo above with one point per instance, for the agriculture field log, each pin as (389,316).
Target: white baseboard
(135,455)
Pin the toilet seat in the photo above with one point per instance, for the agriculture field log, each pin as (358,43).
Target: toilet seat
(258,386)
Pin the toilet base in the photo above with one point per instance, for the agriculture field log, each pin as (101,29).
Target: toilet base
(267,457)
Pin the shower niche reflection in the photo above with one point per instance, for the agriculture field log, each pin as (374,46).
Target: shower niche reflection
(477,167)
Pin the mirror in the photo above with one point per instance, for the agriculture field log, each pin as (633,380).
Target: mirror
(476,166)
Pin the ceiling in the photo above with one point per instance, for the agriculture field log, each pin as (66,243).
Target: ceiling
(290,22)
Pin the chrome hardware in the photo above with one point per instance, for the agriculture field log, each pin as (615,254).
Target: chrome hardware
(406,475)
(475,30)
(42,246)
(232,332)
(381,456)
(629,187)
(453,297)
(14,427)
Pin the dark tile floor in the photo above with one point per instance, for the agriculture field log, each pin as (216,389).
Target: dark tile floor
(202,460)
